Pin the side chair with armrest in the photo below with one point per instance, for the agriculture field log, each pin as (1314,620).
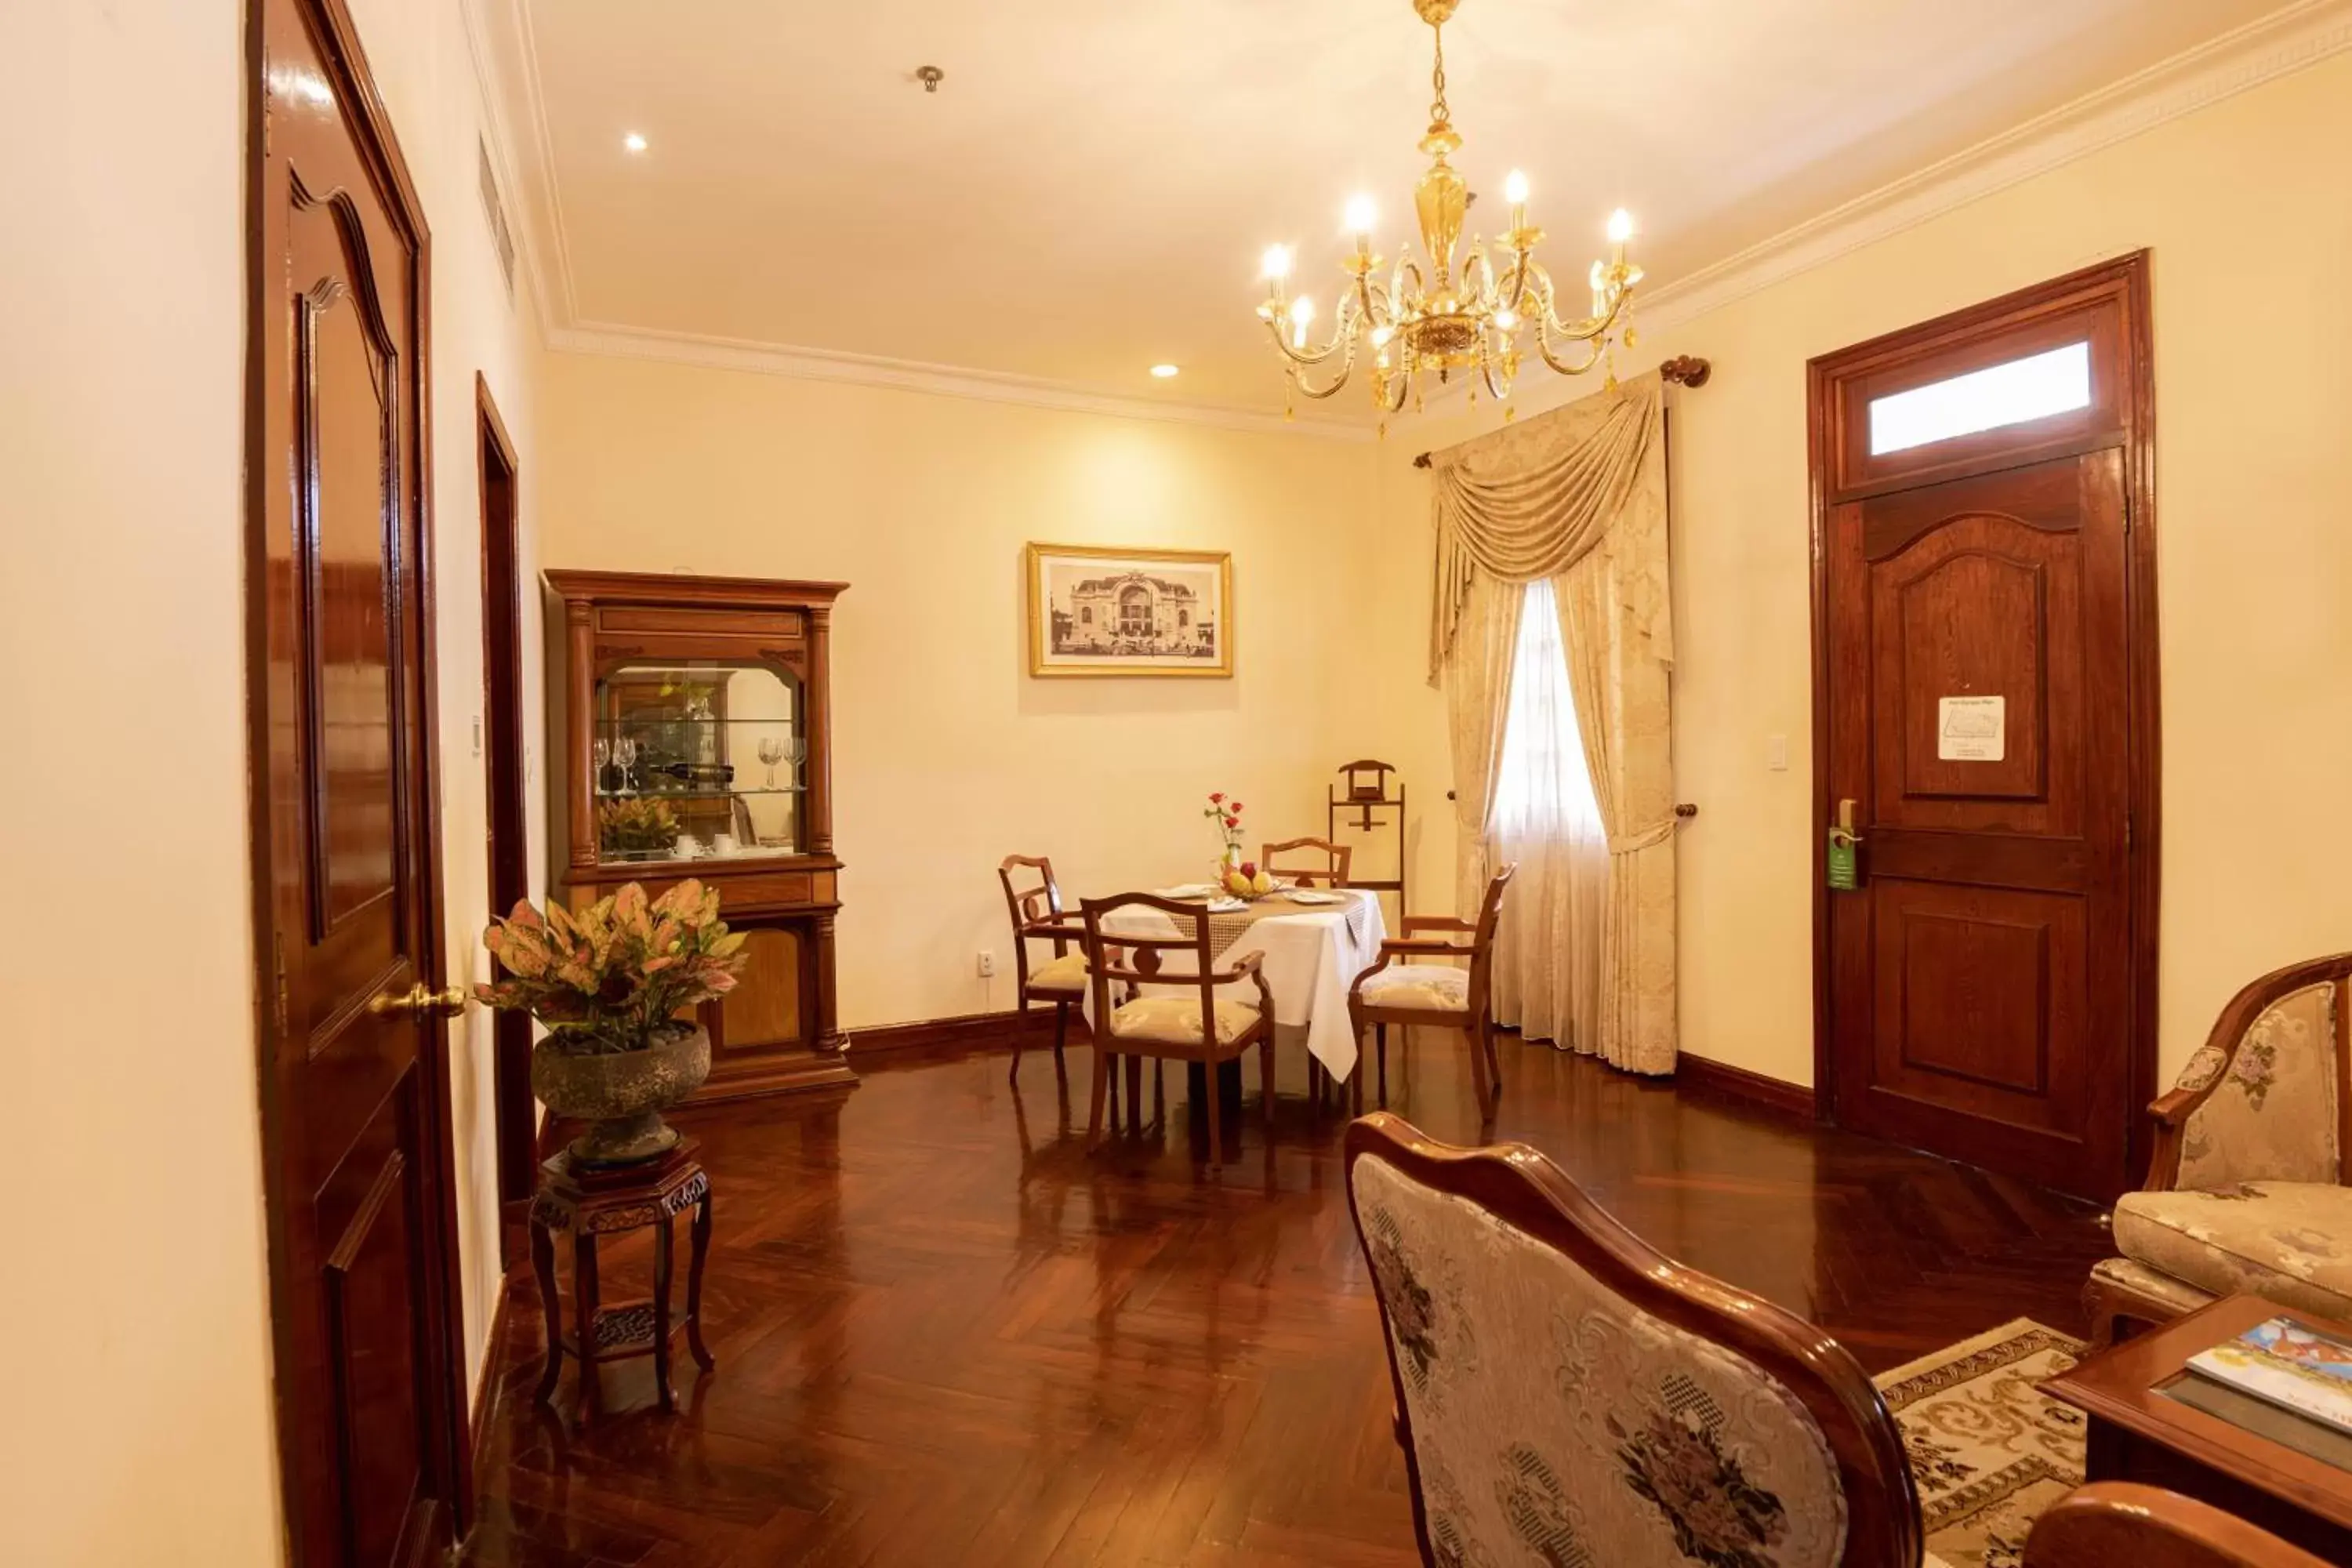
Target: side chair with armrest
(1202,1027)
(1435,994)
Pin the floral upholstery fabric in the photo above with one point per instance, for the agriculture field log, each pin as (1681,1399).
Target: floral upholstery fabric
(1067,973)
(2273,1118)
(1556,1426)
(1177,1019)
(2291,1241)
(1429,987)
(2178,1298)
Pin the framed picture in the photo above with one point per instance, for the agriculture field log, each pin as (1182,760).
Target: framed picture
(1129,611)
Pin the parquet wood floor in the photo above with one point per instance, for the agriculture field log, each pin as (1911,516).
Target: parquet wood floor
(947,1336)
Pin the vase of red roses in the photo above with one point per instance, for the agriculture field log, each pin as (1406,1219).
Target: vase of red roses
(1235,875)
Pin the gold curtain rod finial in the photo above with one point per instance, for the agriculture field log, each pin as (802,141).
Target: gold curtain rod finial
(930,77)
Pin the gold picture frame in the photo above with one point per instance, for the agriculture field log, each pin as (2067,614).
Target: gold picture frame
(1104,611)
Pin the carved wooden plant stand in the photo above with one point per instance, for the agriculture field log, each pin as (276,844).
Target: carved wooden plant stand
(591,1203)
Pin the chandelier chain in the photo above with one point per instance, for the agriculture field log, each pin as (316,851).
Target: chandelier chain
(1438,113)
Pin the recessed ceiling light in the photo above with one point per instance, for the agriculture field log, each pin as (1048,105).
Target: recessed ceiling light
(633,143)
(1163,371)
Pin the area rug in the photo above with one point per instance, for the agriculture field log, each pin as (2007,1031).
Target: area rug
(1988,1451)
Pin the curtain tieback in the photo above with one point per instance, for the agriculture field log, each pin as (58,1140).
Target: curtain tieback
(1627,843)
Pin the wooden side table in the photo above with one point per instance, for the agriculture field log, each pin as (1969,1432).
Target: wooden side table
(592,1203)
(2138,1432)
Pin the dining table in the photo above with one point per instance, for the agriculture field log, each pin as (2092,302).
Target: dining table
(1315,942)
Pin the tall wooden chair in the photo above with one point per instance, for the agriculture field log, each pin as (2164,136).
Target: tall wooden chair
(1204,1027)
(1319,864)
(1033,899)
(1566,1393)
(2122,1524)
(1436,995)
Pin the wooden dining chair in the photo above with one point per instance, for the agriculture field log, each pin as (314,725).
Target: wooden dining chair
(1436,995)
(1321,864)
(1566,1393)
(2122,1524)
(1035,906)
(1204,1027)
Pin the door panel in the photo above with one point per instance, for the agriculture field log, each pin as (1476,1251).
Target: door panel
(355,1096)
(1987,927)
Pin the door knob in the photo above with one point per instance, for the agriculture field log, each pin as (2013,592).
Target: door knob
(420,1001)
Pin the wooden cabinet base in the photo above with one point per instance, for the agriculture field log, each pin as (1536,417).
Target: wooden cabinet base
(775,1072)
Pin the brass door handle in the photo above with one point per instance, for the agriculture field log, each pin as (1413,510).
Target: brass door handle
(420,1001)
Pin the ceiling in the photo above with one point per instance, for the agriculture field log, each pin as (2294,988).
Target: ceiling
(1088,191)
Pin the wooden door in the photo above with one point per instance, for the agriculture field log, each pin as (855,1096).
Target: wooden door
(354,1093)
(1986,708)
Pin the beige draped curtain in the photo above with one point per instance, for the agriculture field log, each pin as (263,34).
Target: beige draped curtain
(1577,497)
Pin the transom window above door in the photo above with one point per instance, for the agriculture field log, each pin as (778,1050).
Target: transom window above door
(2056,382)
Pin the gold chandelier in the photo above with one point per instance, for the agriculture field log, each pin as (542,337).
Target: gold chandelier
(1467,321)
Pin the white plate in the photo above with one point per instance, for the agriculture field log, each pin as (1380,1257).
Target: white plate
(1185,890)
(1309,896)
(1226,906)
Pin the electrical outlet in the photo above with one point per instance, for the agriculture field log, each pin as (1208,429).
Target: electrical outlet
(986,965)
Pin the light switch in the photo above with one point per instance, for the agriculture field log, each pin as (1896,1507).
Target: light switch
(1775,753)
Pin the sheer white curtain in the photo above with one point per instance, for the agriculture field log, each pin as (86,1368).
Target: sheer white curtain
(1547,976)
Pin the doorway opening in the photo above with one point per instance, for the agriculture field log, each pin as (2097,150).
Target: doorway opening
(505,764)
(1986,733)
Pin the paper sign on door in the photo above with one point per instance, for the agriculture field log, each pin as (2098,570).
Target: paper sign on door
(1972,729)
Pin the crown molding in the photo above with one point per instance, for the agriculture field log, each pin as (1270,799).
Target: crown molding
(2262,50)
(2287,40)
(935,380)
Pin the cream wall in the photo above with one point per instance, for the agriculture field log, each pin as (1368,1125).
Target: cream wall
(948,755)
(135,1294)
(138,1427)
(2244,206)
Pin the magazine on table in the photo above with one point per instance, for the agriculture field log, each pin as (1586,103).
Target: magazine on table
(2288,1364)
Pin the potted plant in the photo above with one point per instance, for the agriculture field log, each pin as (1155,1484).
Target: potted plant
(610,984)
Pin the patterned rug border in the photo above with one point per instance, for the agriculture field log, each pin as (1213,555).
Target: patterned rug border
(1919,1382)
(1940,1369)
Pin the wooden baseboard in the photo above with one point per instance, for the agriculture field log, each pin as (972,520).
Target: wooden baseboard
(1776,1095)
(969,1032)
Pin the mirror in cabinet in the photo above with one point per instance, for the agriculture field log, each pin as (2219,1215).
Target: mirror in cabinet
(699,759)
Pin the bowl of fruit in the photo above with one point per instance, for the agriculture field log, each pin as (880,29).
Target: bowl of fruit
(1246,880)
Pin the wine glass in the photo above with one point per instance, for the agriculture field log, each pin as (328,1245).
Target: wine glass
(624,752)
(772,752)
(601,754)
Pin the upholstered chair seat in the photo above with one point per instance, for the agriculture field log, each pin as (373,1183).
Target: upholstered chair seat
(1438,987)
(1177,1019)
(2291,1241)
(2244,1191)
(1066,974)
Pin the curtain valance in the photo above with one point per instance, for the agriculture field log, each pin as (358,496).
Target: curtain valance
(1531,500)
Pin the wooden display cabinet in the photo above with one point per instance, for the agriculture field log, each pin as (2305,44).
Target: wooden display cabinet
(695,735)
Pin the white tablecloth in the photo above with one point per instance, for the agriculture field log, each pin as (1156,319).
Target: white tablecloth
(1312,956)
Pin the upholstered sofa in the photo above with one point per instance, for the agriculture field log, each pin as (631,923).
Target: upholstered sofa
(2245,1188)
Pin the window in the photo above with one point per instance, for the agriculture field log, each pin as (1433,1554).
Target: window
(1542,790)
(2035,387)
